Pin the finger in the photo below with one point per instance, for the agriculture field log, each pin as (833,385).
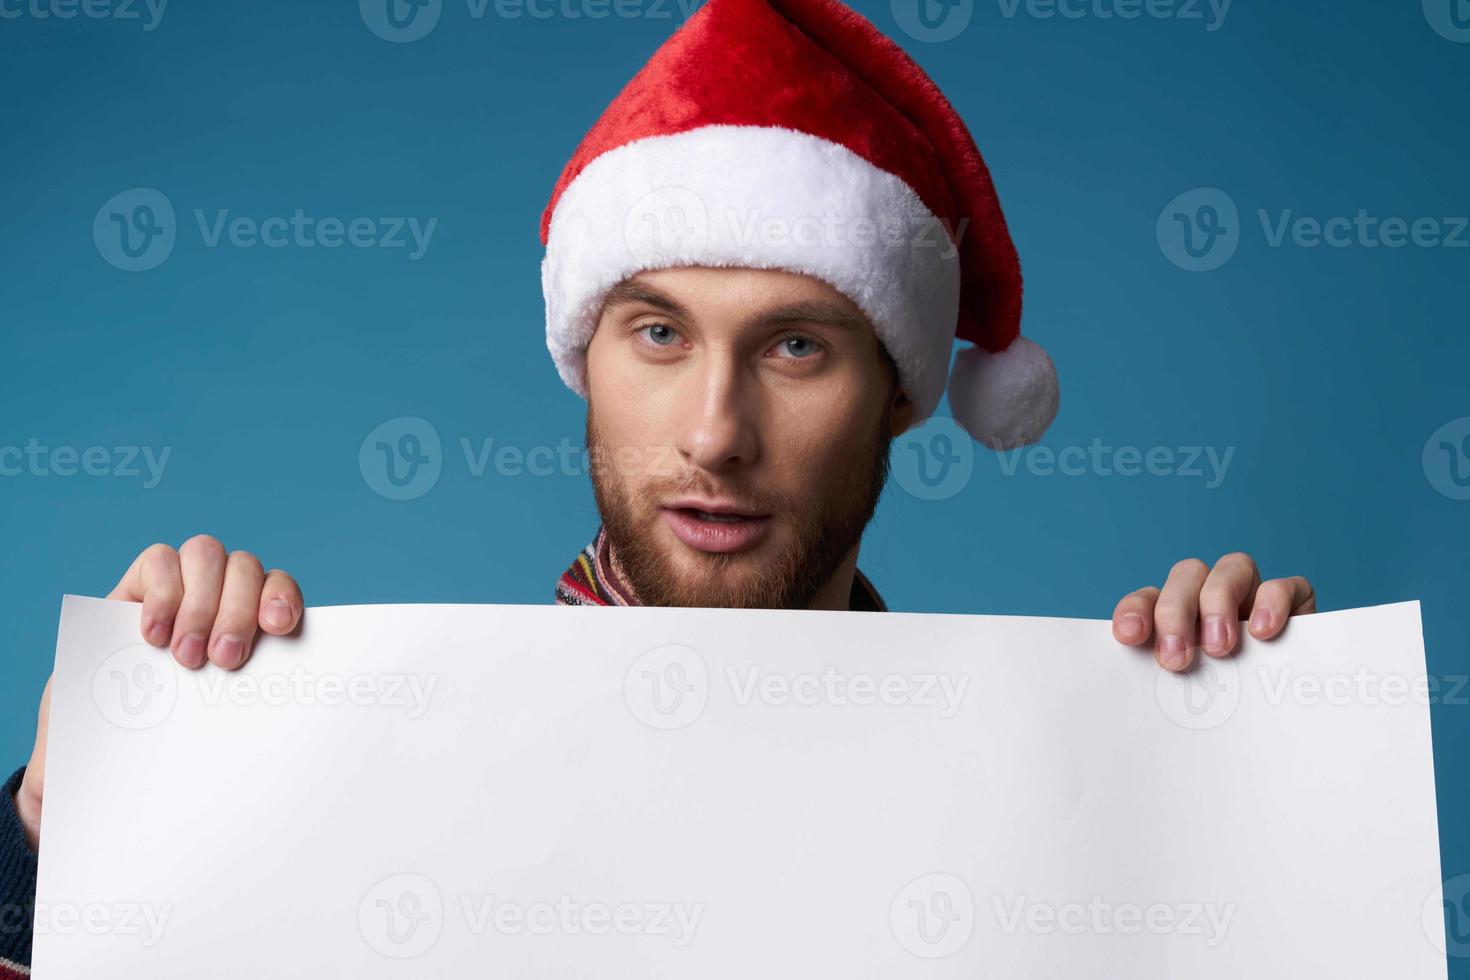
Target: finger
(239,602)
(280,603)
(1134,616)
(153,579)
(1223,597)
(1176,612)
(1276,601)
(202,564)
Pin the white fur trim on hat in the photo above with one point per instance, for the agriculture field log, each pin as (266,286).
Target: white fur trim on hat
(1006,399)
(757,197)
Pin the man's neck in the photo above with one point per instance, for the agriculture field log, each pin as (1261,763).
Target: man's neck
(837,593)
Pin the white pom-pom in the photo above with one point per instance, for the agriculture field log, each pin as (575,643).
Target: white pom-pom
(1006,399)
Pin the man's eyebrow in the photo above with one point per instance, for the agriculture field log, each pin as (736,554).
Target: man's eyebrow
(806,311)
(634,291)
(811,311)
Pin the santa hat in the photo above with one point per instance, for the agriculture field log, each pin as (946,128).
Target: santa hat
(791,134)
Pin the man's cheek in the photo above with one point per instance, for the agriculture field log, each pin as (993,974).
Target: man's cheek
(660,460)
(636,465)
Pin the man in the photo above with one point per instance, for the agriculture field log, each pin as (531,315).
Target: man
(756,264)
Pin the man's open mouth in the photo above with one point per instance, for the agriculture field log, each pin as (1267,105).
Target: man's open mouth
(715,527)
(705,515)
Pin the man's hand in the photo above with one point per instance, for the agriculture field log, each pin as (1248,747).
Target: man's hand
(205,605)
(1203,606)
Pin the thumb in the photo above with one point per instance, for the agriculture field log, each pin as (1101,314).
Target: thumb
(28,799)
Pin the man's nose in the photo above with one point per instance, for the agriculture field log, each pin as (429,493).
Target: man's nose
(718,428)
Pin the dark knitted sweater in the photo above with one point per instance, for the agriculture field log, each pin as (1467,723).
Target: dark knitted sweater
(17,887)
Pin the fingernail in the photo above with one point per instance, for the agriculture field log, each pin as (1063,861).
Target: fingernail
(278,613)
(229,650)
(191,650)
(1214,635)
(1131,625)
(1171,652)
(1261,620)
(158,632)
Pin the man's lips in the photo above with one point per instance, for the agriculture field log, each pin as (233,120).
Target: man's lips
(715,526)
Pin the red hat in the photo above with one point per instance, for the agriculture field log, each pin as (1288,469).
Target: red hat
(791,134)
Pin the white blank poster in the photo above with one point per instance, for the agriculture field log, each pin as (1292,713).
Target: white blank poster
(513,791)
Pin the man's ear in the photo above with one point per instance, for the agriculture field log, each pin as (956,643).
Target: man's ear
(900,413)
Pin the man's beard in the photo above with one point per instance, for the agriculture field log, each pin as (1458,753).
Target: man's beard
(824,534)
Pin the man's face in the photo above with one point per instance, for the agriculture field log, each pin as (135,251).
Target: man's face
(739,422)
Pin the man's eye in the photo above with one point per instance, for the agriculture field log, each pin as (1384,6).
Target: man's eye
(797,347)
(659,334)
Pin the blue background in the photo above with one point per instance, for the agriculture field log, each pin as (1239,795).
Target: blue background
(1326,369)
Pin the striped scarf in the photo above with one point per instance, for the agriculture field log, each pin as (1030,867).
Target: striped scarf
(591,581)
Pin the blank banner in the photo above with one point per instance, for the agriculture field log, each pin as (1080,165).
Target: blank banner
(514,791)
